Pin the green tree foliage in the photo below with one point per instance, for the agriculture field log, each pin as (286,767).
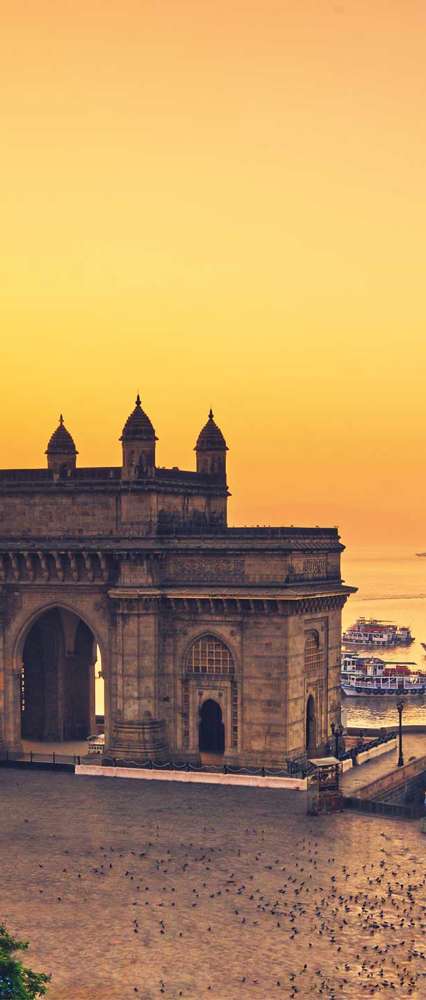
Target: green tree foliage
(16,981)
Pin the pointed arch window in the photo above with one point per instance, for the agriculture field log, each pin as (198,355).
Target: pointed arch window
(209,655)
(313,653)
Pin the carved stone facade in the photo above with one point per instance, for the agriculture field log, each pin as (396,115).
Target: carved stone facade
(210,637)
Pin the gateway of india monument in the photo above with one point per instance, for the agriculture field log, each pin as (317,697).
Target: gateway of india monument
(212,638)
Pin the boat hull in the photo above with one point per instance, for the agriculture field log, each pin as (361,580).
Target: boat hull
(376,643)
(359,691)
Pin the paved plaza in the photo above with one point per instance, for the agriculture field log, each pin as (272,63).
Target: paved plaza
(134,889)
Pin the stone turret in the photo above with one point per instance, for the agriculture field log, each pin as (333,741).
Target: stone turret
(138,441)
(61,451)
(211,450)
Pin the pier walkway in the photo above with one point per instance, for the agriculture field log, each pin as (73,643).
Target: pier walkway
(413,745)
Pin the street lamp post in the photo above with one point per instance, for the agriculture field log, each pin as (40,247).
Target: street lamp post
(400,706)
(336,731)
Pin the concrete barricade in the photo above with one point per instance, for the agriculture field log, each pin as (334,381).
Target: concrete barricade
(366,755)
(194,777)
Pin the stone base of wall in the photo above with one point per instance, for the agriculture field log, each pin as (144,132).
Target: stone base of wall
(138,741)
(258,759)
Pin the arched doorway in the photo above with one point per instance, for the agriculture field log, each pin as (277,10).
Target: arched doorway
(211,728)
(310,725)
(58,678)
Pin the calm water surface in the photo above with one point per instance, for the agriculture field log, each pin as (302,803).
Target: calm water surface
(391,588)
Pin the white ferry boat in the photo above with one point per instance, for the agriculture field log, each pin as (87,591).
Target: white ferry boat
(364,675)
(371,632)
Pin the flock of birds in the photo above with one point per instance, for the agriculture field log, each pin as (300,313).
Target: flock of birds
(270,924)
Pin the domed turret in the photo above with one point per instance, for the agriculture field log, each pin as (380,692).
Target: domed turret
(211,450)
(138,440)
(61,451)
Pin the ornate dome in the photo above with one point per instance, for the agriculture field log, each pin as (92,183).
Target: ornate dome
(138,426)
(211,437)
(61,442)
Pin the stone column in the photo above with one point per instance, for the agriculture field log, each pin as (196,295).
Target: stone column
(79,686)
(53,676)
(137,734)
(10,679)
(2,674)
(12,703)
(334,665)
(263,727)
(296,702)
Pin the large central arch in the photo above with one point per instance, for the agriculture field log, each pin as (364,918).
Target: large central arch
(58,656)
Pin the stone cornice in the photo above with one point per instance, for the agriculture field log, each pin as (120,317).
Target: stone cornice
(38,566)
(241,592)
(147,573)
(219,543)
(123,602)
(42,483)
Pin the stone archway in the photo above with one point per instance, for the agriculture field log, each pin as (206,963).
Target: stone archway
(310,725)
(211,728)
(58,678)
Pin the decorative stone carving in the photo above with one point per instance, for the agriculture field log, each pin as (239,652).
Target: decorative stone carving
(88,562)
(315,566)
(205,569)
(58,565)
(44,565)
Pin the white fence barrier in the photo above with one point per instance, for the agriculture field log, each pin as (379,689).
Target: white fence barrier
(202,777)
(366,755)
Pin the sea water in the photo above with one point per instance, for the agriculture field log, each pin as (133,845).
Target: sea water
(391,587)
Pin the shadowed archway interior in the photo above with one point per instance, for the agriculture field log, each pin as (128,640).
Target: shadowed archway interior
(58,678)
(211,728)
(310,725)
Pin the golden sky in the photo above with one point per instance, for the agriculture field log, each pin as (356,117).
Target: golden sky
(222,202)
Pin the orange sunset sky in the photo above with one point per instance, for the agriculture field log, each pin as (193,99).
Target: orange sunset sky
(218,202)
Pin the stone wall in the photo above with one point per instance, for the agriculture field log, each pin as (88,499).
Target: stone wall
(83,514)
(81,510)
(96,549)
(264,701)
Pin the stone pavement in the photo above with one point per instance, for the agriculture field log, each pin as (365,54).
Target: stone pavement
(131,889)
(413,745)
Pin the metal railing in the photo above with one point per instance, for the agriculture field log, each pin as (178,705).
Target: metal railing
(160,765)
(69,761)
(294,768)
(31,757)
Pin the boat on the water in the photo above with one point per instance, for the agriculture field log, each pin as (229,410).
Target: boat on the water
(369,675)
(371,632)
